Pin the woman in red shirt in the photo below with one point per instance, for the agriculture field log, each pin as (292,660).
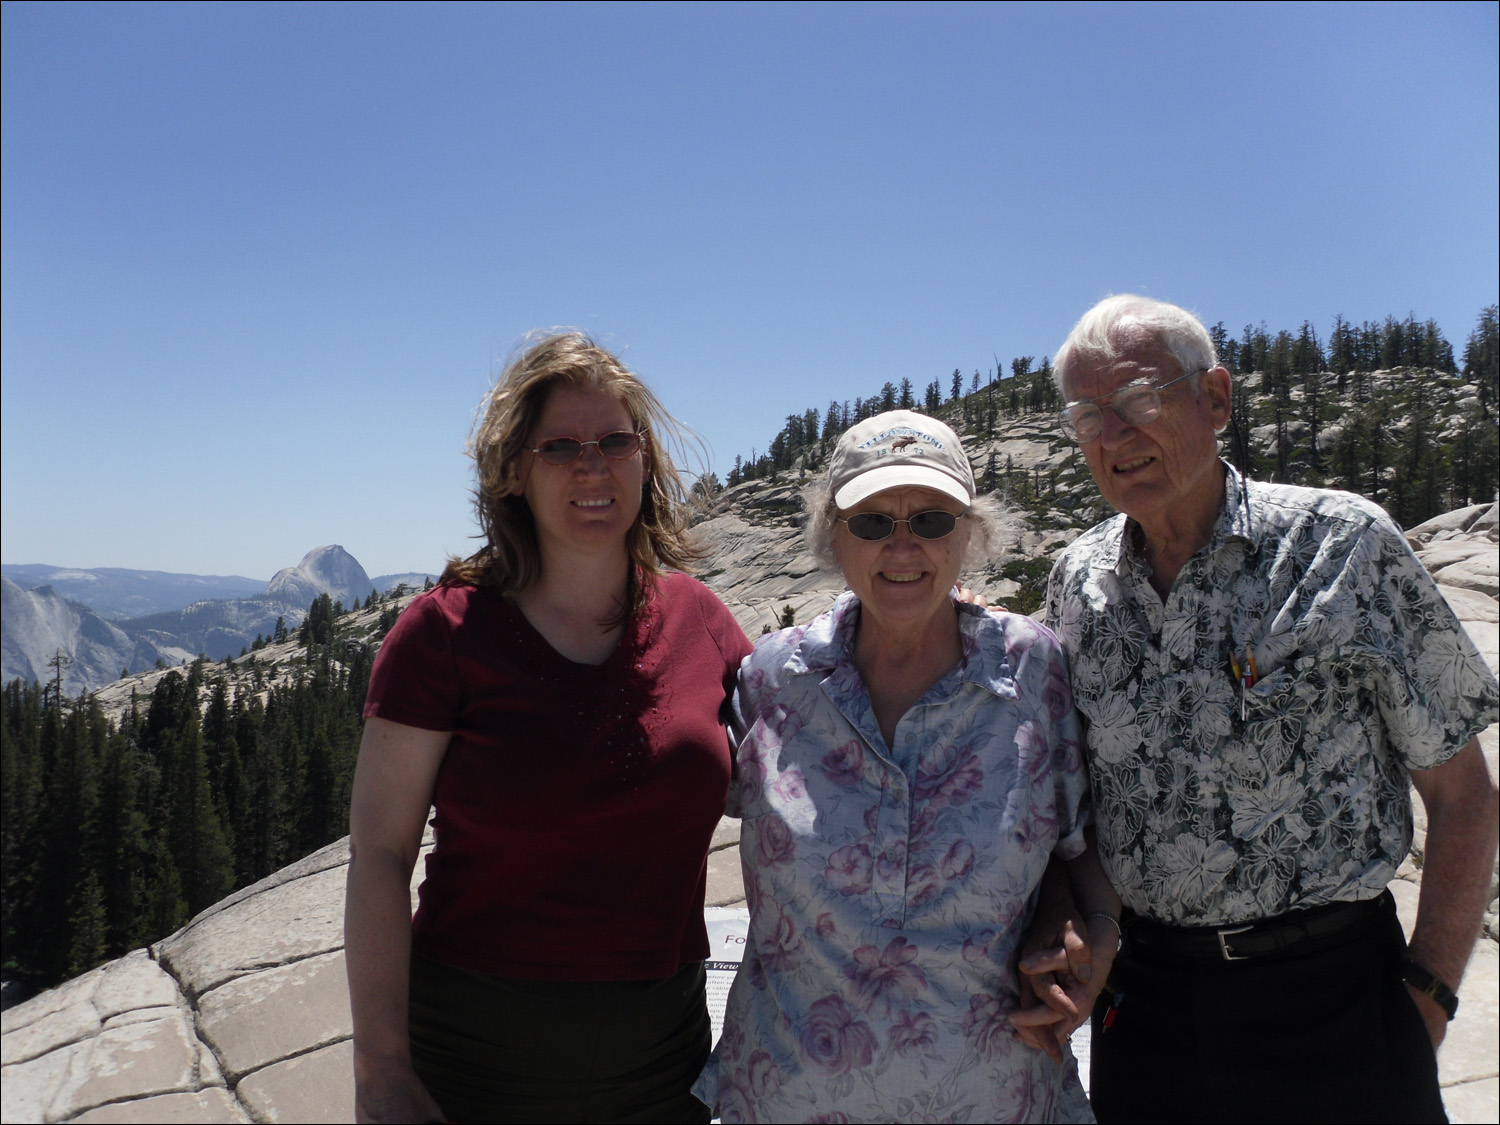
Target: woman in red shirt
(559,700)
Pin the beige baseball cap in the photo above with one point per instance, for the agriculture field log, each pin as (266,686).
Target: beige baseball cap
(897,449)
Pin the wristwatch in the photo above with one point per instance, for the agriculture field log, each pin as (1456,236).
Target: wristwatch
(1424,980)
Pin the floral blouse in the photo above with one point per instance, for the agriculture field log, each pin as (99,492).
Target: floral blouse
(889,887)
(1225,790)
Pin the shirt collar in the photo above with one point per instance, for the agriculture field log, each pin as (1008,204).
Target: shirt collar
(827,638)
(1236,521)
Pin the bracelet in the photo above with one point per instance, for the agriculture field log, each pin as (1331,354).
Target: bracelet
(1112,920)
(1425,981)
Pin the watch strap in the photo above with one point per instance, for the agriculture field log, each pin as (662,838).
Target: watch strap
(1424,980)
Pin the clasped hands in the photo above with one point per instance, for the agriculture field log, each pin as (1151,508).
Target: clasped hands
(1063,967)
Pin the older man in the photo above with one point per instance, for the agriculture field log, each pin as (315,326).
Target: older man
(1263,670)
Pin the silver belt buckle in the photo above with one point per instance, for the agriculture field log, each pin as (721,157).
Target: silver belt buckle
(1224,946)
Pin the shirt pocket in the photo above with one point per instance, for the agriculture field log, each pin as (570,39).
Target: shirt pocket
(1274,717)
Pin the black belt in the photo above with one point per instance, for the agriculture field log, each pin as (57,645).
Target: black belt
(1293,932)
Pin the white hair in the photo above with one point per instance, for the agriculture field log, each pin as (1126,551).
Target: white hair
(1096,335)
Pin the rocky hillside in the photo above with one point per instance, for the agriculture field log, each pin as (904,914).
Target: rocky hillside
(256,674)
(758,563)
(1416,441)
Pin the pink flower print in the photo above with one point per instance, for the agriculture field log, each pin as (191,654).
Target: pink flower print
(752,892)
(985,1026)
(923,884)
(977,946)
(923,821)
(775,846)
(790,785)
(755,680)
(1019,638)
(1057,693)
(1022,1100)
(845,765)
(826,925)
(1033,750)
(872,818)
(764,1076)
(735,1105)
(888,980)
(833,1042)
(958,861)
(786,723)
(782,948)
(1039,819)
(754,973)
(849,870)
(752,782)
(949,775)
(733,1043)
(1069,758)
(912,1032)
(1009,913)
(891,862)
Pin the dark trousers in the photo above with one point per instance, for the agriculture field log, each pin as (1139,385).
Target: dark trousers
(504,1050)
(1327,1035)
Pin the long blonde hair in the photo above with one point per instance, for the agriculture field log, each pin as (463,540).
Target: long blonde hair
(510,560)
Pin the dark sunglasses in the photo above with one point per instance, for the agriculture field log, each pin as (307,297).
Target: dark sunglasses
(872,527)
(617,446)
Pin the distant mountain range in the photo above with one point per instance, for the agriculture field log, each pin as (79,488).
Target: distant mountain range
(115,594)
(109,620)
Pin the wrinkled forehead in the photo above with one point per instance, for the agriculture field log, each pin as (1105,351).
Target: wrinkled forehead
(1137,356)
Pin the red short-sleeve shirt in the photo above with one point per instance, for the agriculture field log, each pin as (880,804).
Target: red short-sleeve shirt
(575,802)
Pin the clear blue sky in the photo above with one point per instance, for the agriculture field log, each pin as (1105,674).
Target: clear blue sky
(260,261)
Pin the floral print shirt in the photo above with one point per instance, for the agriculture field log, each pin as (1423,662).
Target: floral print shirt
(888,886)
(1219,803)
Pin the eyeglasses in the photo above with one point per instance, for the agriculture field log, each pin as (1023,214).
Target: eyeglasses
(1136,404)
(618,446)
(872,527)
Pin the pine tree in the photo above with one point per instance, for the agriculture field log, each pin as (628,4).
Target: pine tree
(165,910)
(88,937)
(20,799)
(121,848)
(194,835)
(317,626)
(1482,356)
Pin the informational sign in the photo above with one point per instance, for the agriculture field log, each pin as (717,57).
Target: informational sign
(727,927)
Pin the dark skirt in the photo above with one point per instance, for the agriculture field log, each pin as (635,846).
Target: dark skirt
(491,1049)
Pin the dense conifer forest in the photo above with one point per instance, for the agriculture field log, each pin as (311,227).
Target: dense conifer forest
(117,830)
(1381,408)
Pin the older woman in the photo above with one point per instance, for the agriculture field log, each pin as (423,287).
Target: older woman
(560,699)
(909,764)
